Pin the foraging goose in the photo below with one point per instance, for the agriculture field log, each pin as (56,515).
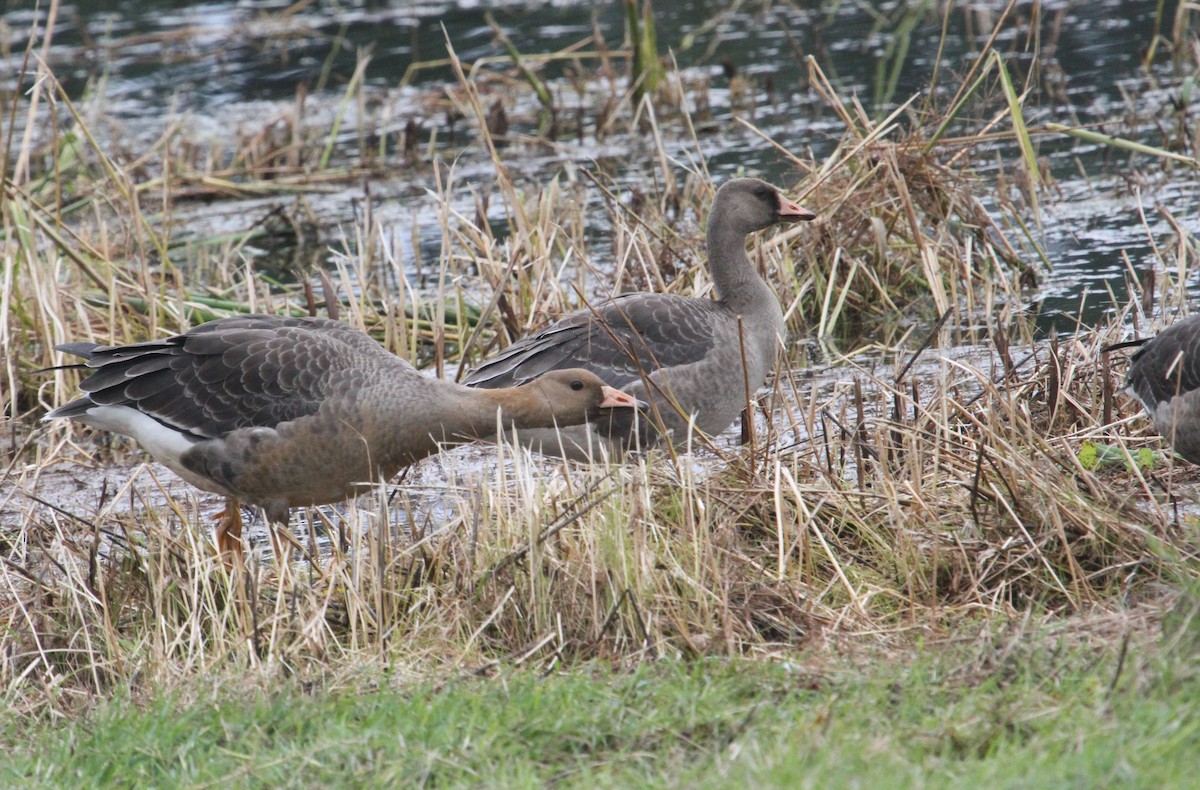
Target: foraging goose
(1165,376)
(287,412)
(686,356)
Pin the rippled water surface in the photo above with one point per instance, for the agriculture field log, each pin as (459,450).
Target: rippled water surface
(226,65)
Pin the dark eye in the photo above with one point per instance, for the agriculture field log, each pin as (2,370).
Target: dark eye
(762,192)
(576,384)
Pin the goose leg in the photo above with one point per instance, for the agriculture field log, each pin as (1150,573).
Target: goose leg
(229,533)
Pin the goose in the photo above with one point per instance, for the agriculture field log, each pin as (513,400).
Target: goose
(290,412)
(1164,375)
(694,360)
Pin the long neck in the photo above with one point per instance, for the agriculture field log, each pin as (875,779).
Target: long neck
(401,431)
(738,284)
(473,412)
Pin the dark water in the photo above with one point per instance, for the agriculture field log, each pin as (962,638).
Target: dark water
(223,64)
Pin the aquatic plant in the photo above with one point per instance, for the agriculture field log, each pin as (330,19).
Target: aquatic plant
(888,495)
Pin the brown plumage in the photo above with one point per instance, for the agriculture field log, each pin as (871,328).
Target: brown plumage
(1165,376)
(288,412)
(688,357)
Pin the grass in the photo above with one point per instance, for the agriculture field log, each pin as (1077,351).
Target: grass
(1014,709)
(910,560)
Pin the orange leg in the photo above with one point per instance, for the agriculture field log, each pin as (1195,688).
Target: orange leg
(229,534)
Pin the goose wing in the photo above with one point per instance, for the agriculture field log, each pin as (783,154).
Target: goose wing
(228,374)
(1168,365)
(620,341)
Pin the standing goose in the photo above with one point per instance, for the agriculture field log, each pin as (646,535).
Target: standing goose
(688,357)
(1165,377)
(289,412)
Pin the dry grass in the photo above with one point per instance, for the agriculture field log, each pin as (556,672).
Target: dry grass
(879,501)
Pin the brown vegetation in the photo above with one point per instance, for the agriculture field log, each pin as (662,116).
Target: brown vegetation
(878,500)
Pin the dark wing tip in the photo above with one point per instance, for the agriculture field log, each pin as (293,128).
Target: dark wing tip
(78,349)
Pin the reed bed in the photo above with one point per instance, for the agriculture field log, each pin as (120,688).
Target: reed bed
(888,494)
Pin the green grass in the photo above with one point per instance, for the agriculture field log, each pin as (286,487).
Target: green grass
(1014,712)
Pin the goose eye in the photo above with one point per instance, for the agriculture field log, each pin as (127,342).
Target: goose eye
(576,384)
(763,193)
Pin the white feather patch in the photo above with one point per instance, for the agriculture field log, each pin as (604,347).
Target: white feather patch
(167,445)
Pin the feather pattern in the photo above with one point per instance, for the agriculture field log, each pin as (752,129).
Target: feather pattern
(1164,375)
(1168,365)
(243,372)
(283,412)
(621,341)
(692,359)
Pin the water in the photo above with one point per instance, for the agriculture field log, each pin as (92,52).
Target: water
(225,66)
